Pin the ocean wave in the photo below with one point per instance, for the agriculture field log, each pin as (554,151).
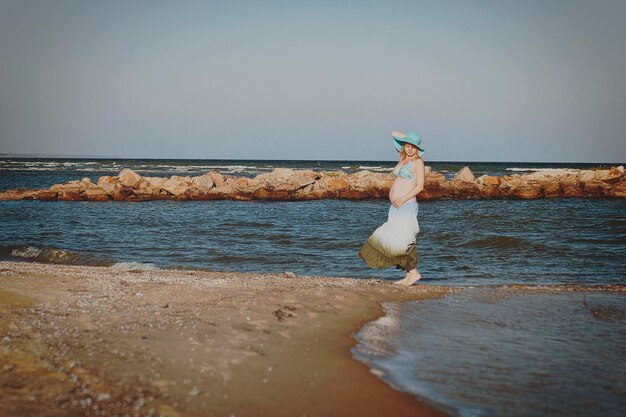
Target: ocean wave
(497,242)
(45,254)
(244,223)
(133,266)
(115,167)
(374,337)
(232,258)
(516,169)
(26,252)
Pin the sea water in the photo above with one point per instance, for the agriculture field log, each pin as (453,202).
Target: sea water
(478,351)
(505,351)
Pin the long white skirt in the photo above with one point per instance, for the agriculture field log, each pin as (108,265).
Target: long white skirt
(393,243)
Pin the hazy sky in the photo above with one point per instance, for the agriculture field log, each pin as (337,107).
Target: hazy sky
(480,81)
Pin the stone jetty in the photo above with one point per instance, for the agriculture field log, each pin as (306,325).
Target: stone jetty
(290,184)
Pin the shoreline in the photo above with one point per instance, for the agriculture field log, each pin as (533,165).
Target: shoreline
(94,341)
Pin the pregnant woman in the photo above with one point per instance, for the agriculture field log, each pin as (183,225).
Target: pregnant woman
(393,243)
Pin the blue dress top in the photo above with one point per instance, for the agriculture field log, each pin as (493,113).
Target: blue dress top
(406,171)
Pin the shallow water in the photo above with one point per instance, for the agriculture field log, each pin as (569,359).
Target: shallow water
(469,242)
(504,352)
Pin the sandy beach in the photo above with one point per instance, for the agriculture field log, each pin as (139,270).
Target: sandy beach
(81,340)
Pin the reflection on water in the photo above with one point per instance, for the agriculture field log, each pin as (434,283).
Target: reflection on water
(505,352)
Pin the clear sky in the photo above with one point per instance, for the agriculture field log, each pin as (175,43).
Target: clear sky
(480,81)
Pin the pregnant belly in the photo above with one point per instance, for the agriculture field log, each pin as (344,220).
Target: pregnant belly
(400,188)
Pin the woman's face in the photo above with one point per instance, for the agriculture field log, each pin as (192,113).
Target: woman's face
(410,149)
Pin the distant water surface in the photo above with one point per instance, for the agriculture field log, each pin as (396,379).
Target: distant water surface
(44,172)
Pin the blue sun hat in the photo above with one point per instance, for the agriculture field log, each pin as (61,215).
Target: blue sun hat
(412,138)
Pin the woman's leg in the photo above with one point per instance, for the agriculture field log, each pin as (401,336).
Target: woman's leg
(403,280)
(412,277)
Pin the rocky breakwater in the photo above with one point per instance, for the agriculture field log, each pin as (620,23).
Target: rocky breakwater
(289,184)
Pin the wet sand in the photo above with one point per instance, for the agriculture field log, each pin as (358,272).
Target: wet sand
(83,341)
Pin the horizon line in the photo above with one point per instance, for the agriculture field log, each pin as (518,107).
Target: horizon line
(56,156)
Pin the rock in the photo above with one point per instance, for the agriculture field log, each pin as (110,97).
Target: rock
(19,194)
(280,179)
(218,179)
(595,188)
(203,182)
(310,193)
(376,185)
(382,185)
(96,194)
(175,186)
(270,194)
(464,184)
(510,182)
(465,188)
(155,193)
(487,180)
(618,190)
(86,183)
(122,192)
(279,175)
(70,191)
(434,188)
(282,186)
(586,175)
(129,178)
(492,191)
(465,174)
(336,182)
(70,195)
(289,184)
(571,186)
(156,182)
(107,183)
(226,187)
(610,176)
(525,192)
(142,186)
(47,195)
(302,178)
(436,176)
(194,193)
(551,188)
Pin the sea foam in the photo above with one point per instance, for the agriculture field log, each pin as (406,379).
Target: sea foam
(128,266)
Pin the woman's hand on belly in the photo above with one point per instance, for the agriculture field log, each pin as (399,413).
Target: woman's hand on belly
(397,203)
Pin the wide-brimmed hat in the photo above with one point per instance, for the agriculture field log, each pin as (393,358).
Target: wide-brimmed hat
(412,138)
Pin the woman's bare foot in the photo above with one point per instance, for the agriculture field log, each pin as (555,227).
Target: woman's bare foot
(411,278)
(403,280)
